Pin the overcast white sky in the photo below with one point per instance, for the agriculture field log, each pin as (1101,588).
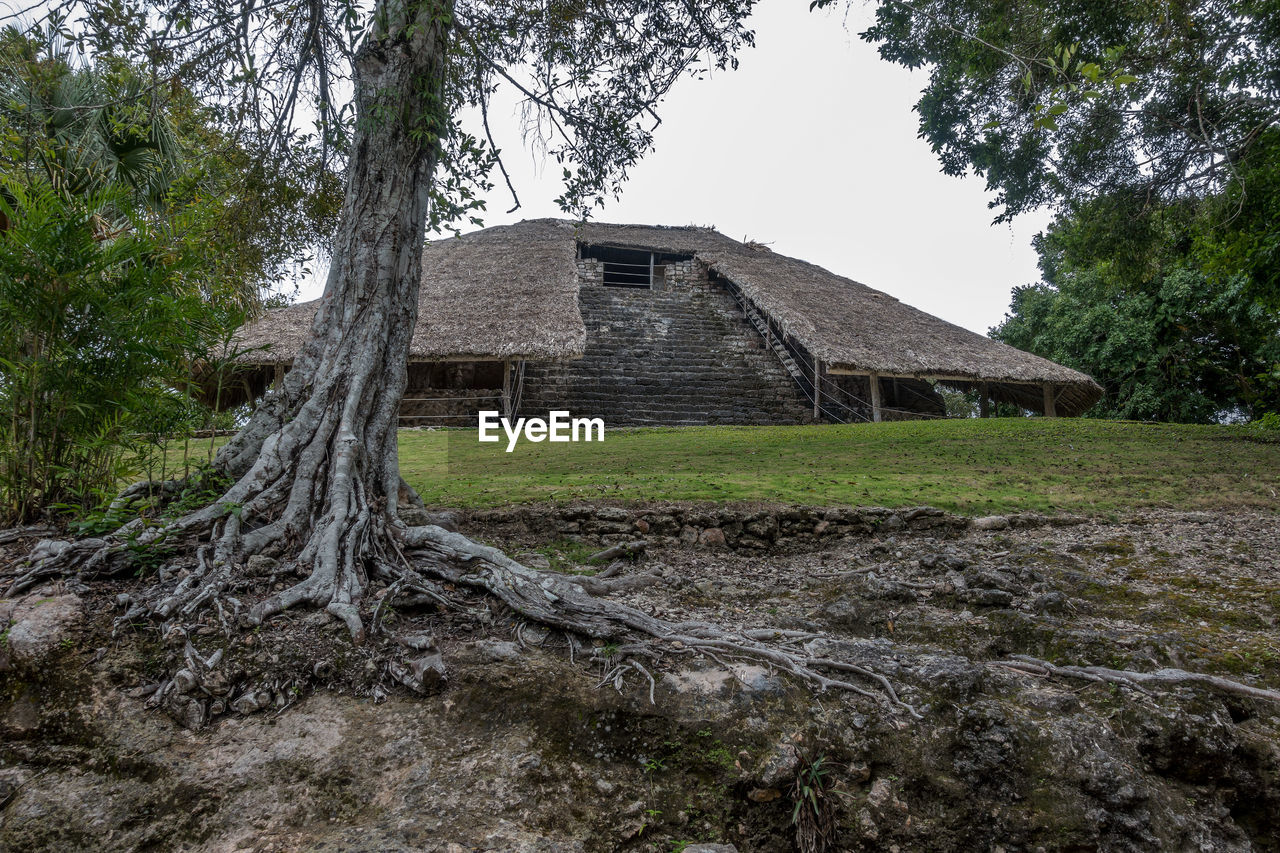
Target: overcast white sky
(811,148)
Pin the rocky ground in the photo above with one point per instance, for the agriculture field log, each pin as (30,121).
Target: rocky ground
(532,743)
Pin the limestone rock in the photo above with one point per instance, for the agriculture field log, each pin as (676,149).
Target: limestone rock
(781,765)
(37,626)
(421,673)
(260,566)
(712,537)
(497,650)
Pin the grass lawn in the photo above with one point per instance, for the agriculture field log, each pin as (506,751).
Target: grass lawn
(970,466)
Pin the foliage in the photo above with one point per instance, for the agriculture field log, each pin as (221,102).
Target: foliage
(82,130)
(95,312)
(813,815)
(1175,314)
(1153,129)
(108,124)
(114,191)
(590,76)
(1236,234)
(1061,102)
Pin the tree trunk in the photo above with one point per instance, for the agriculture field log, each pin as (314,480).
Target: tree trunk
(317,467)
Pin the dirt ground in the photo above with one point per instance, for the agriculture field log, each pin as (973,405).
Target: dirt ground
(315,744)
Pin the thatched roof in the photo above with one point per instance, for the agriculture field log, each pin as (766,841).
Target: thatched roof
(511,292)
(506,292)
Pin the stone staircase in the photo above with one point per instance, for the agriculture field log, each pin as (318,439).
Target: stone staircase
(684,356)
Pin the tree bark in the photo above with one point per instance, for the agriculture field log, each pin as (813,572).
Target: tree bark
(317,467)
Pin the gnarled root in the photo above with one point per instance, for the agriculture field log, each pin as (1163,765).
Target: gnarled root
(555,600)
(1138,681)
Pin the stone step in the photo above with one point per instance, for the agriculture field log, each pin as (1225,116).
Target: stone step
(678,357)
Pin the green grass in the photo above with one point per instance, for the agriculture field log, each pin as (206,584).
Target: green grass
(968,466)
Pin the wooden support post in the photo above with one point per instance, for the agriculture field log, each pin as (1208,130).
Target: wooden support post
(278,381)
(1050,409)
(817,389)
(876,403)
(506,388)
(984,400)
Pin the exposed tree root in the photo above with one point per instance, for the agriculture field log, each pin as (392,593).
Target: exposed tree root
(413,561)
(556,600)
(1139,681)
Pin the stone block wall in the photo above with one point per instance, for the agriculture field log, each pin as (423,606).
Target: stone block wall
(680,355)
(759,529)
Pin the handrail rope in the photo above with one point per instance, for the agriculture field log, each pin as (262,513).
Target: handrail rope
(809,388)
(885,408)
(517,394)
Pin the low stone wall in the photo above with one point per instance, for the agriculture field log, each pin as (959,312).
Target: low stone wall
(737,528)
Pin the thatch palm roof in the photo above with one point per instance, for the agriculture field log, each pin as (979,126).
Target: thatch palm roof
(511,292)
(500,293)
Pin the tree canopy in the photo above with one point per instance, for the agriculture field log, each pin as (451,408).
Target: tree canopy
(591,75)
(1058,102)
(1146,315)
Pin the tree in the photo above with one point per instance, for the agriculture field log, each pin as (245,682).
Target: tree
(1063,102)
(109,291)
(1152,130)
(1167,343)
(313,478)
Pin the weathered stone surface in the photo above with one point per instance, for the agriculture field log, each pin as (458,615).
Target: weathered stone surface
(421,673)
(681,356)
(521,751)
(35,626)
(497,650)
(991,522)
(780,765)
(260,566)
(712,537)
(987,597)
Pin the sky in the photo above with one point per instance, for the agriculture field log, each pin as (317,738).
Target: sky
(810,147)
